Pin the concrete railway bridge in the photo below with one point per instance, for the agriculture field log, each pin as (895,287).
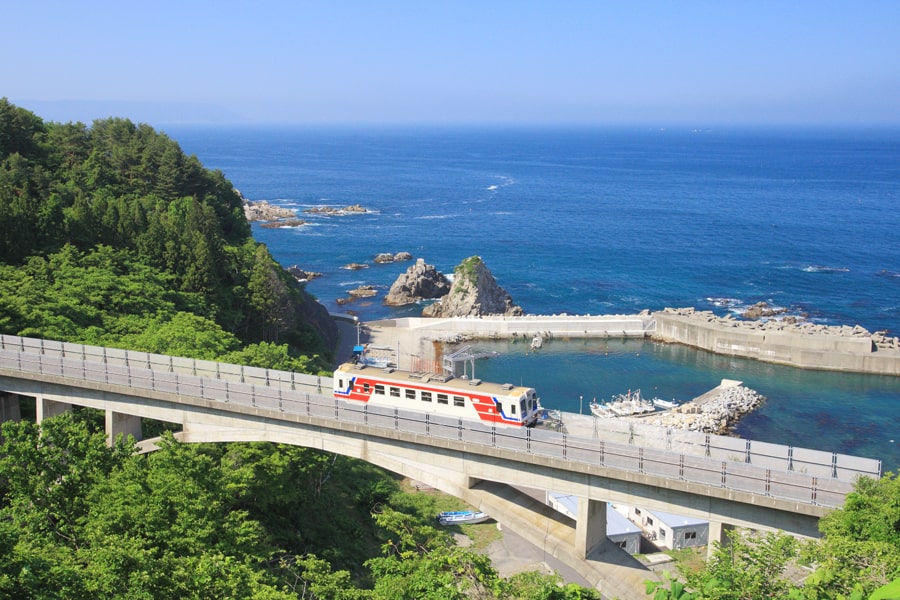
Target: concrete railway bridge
(485,466)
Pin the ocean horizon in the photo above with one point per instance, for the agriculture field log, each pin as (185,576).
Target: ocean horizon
(610,221)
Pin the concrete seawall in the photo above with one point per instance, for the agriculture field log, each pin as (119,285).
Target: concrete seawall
(562,326)
(804,345)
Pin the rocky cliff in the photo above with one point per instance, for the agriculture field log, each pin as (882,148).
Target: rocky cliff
(419,282)
(474,293)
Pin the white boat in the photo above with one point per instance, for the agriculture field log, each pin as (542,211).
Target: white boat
(462,517)
(536,342)
(623,405)
(601,410)
(664,404)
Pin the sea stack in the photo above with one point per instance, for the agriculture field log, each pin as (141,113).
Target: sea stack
(474,293)
(419,282)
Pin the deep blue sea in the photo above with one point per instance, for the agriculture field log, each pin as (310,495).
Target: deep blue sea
(601,220)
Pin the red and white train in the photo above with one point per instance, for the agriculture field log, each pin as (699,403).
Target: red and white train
(493,403)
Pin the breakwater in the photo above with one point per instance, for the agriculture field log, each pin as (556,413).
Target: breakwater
(713,412)
(804,345)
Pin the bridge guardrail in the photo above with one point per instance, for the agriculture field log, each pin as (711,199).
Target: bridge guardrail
(50,360)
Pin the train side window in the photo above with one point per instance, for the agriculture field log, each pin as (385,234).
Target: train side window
(410,394)
(512,408)
(379,389)
(366,388)
(340,384)
(395,392)
(426,396)
(459,401)
(443,399)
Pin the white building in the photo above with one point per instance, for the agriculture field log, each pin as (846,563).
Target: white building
(619,530)
(669,530)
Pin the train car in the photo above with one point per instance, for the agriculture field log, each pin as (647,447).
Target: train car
(492,403)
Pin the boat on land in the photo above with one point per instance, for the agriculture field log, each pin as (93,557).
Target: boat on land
(462,517)
(629,404)
(601,410)
(664,404)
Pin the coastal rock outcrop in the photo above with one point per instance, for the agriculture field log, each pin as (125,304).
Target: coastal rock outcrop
(419,282)
(387,257)
(474,293)
(762,310)
(301,275)
(332,211)
(263,211)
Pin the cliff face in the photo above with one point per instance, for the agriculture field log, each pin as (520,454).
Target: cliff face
(474,293)
(315,316)
(419,282)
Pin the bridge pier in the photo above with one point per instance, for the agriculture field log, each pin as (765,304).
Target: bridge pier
(718,532)
(117,423)
(45,409)
(10,408)
(590,526)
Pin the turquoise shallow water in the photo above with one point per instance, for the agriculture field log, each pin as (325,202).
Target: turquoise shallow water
(597,221)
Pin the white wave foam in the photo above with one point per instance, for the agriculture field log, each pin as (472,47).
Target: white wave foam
(824,269)
(724,302)
(427,217)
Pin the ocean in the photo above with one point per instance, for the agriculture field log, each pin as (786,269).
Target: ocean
(610,221)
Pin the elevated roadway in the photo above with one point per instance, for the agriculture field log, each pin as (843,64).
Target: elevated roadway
(216,402)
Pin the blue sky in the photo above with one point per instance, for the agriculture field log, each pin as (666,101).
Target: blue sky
(695,63)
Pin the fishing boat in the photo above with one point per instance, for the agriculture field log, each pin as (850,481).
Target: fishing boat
(664,404)
(462,517)
(601,410)
(629,404)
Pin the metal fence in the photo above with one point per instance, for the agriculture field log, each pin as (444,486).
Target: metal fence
(297,394)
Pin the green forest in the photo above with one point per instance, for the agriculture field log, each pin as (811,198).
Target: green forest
(110,235)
